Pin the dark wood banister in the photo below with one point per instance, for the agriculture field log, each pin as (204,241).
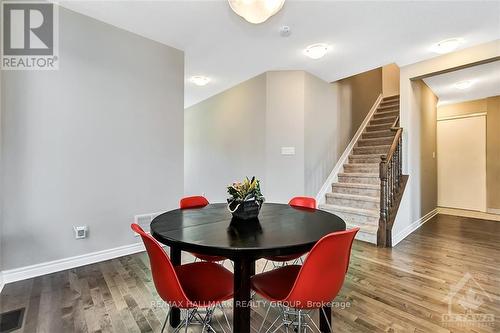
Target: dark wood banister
(390,180)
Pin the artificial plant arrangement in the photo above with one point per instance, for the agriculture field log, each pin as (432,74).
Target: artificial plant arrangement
(245,199)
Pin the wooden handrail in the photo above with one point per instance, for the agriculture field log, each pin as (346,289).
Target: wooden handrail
(395,124)
(394,145)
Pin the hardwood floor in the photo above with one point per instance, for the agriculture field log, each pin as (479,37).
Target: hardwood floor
(402,289)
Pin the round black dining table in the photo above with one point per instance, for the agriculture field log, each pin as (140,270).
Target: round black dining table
(279,230)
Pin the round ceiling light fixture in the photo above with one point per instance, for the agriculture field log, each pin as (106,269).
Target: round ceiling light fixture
(199,80)
(256,11)
(462,85)
(447,45)
(317,51)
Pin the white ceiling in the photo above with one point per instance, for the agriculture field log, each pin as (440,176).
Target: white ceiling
(364,35)
(485,83)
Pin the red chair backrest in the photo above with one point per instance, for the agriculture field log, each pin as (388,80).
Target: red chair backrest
(324,270)
(304,202)
(196,201)
(166,282)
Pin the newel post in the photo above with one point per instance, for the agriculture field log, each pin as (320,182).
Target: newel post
(382,227)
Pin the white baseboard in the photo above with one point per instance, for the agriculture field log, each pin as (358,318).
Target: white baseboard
(469,213)
(320,197)
(412,227)
(28,272)
(493,211)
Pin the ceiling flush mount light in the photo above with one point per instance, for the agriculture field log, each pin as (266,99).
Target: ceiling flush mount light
(463,84)
(447,45)
(199,80)
(316,51)
(256,11)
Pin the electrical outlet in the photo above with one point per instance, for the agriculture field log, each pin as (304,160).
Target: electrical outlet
(80,231)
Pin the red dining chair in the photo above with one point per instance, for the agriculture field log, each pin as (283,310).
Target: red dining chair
(298,202)
(312,285)
(198,201)
(180,286)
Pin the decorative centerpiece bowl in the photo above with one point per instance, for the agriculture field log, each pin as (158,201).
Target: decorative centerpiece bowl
(245,199)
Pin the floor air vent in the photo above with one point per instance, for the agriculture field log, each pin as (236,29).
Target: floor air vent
(11,321)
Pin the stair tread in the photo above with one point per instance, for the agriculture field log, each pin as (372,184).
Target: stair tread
(357,185)
(366,155)
(359,174)
(375,139)
(376,146)
(363,165)
(353,196)
(358,211)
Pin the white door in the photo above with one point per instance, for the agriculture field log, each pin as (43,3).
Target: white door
(461,146)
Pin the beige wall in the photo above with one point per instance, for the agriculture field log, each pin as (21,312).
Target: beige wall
(390,80)
(493,153)
(410,213)
(491,106)
(357,95)
(460,109)
(428,141)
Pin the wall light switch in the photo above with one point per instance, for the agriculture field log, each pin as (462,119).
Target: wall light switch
(287,150)
(80,231)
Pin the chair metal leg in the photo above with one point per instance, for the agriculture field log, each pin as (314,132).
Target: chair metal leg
(327,319)
(265,318)
(166,319)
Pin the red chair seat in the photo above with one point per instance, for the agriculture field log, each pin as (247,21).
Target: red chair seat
(276,284)
(217,283)
(285,258)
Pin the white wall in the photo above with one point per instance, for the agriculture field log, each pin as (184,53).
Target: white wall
(410,214)
(224,140)
(93,143)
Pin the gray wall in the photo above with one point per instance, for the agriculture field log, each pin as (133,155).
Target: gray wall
(240,132)
(324,138)
(93,143)
(225,139)
(284,128)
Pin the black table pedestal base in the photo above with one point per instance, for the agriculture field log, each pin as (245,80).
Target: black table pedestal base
(244,268)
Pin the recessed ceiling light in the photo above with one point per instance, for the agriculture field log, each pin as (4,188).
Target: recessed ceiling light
(199,80)
(463,84)
(316,51)
(447,45)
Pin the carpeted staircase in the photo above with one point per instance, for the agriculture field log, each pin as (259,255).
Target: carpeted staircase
(356,195)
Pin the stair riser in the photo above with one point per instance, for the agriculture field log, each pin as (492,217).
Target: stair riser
(384,114)
(358,191)
(359,180)
(370,150)
(353,203)
(355,218)
(380,121)
(360,160)
(377,142)
(356,168)
(372,135)
(372,128)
